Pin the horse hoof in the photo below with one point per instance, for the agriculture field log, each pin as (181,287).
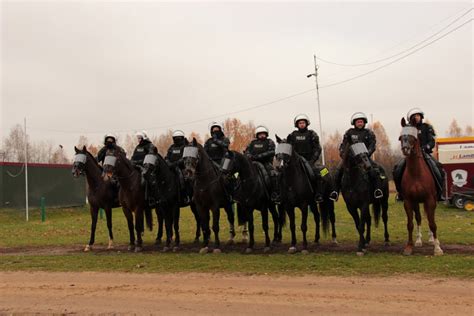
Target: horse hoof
(266,249)
(248,250)
(316,243)
(88,248)
(292,250)
(438,252)
(157,242)
(418,243)
(431,241)
(196,241)
(364,250)
(166,249)
(245,240)
(387,244)
(138,249)
(230,242)
(305,251)
(110,247)
(216,251)
(334,241)
(360,253)
(408,251)
(204,250)
(131,247)
(175,249)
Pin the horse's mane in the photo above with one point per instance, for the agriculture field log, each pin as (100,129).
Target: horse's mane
(92,158)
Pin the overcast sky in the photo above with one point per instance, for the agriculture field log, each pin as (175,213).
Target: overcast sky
(91,67)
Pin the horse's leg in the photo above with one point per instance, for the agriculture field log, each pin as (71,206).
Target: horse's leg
(216,212)
(139,228)
(364,221)
(94,211)
(368,220)
(291,215)
(168,214)
(430,207)
(416,210)
(206,232)
(384,203)
(304,227)
(265,229)
(108,216)
(129,216)
(198,226)
(276,223)
(176,215)
(231,218)
(332,218)
(317,222)
(409,207)
(159,235)
(251,231)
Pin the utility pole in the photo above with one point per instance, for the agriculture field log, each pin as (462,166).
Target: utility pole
(321,137)
(26,173)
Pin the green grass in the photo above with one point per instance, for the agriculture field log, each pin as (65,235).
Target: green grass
(70,227)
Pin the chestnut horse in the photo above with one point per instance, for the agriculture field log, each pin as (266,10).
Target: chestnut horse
(418,186)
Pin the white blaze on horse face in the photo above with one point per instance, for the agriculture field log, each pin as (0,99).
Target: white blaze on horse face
(82,158)
(110,160)
(150,159)
(190,151)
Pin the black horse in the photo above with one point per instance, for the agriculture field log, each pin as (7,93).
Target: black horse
(357,190)
(168,203)
(251,194)
(100,193)
(209,192)
(131,195)
(296,191)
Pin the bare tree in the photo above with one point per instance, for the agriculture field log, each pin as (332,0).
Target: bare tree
(454,130)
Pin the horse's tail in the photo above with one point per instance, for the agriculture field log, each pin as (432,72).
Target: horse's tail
(149,218)
(377,211)
(327,209)
(281,215)
(241,215)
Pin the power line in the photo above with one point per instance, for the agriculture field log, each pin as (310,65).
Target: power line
(399,53)
(398,59)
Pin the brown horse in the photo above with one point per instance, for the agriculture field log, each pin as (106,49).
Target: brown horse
(418,186)
(100,193)
(131,195)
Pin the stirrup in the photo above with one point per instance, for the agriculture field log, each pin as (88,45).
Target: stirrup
(318,198)
(275,198)
(378,194)
(334,196)
(186,200)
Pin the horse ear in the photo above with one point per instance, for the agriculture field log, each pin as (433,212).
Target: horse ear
(278,138)
(194,141)
(403,122)
(76,150)
(84,148)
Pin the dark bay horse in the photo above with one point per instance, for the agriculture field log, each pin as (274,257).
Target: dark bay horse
(296,191)
(251,194)
(100,193)
(418,186)
(357,190)
(168,206)
(209,193)
(131,195)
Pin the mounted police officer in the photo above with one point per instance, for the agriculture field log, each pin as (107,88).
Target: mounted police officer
(359,134)
(145,147)
(426,135)
(175,162)
(110,143)
(306,143)
(262,149)
(218,145)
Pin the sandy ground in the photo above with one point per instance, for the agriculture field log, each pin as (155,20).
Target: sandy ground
(230,294)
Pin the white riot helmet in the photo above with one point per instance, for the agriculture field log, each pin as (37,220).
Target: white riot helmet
(178,133)
(110,135)
(358,116)
(216,124)
(142,134)
(413,112)
(261,129)
(300,117)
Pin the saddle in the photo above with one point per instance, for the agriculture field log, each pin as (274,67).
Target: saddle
(264,176)
(435,172)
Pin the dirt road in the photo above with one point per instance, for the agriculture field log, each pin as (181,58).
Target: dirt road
(226,294)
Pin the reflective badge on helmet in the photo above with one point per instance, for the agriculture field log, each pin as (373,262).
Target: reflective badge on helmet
(324,172)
